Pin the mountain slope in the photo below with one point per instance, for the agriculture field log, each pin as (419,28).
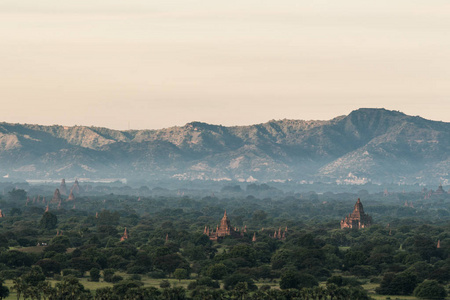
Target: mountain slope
(367,144)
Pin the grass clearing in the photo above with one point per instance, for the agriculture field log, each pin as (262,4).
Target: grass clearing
(33,249)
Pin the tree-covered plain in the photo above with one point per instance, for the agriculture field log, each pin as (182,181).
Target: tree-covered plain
(49,254)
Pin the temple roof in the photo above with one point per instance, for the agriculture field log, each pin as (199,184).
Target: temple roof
(225,217)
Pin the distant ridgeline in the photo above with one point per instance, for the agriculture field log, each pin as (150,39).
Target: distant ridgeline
(368,145)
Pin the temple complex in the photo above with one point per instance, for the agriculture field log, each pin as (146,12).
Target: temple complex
(440,190)
(222,230)
(280,235)
(357,219)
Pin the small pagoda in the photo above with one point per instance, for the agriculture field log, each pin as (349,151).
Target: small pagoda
(125,235)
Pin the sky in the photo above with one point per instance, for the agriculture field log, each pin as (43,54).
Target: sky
(154,64)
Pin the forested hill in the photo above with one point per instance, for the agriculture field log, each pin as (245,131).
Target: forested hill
(368,144)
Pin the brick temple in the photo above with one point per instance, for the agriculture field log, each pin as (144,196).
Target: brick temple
(357,219)
(223,229)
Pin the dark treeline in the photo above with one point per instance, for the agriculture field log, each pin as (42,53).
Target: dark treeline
(81,238)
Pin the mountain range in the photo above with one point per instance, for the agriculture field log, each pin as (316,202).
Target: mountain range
(368,145)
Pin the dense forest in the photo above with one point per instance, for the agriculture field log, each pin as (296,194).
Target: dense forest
(149,246)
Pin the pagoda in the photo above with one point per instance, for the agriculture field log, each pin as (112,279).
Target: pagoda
(125,235)
(357,219)
(222,230)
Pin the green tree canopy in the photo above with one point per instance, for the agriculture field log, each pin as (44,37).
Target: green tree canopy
(48,221)
(430,289)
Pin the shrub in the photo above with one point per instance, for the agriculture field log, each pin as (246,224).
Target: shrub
(135,277)
(164,284)
(156,275)
(116,278)
(76,273)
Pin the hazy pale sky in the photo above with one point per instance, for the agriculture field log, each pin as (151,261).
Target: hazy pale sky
(156,64)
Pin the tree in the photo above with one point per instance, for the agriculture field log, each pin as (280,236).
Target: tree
(48,221)
(47,290)
(108,274)
(71,288)
(83,264)
(169,263)
(289,280)
(246,252)
(217,271)
(424,246)
(397,284)
(259,216)
(241,290)
(358,294)
(105,293)
(176,293)
(19,286)
(14,258)
(430,289)
(34,276)
(15,211)
(123,286)
(4,291)
(17,195)
(94,273)
(292,279)
(231,281)
(49,266)
(180,274)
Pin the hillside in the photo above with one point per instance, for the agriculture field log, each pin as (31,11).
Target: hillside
(368,144)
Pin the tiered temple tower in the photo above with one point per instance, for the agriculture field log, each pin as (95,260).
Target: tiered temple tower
(357,219)
(222,230)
